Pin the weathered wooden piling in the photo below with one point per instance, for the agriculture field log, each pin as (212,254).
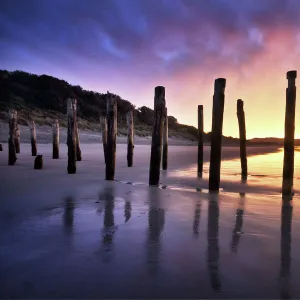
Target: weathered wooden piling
(200,141)
(12,157)
(103,123)
(78,150)
(165,141)
(38,162)
(111,108)
(242,129)
(55,139)
(33,138)
(71,136)
(156,146)
(216,134)
(288,165)
(17,138)
(130,144)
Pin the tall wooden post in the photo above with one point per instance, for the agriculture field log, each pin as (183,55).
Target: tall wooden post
(200,141)
(111,107)
(156,146)
(71,138)
(12,157)
(288,166)
(103,123)
(33,138)
(55,139)
(130,144)
(165,141)
(242,130)
(216,134)
(17,138)
(78,150)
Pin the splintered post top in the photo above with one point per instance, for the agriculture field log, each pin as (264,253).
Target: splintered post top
(291,74)
(159,95)
(12,113)
(71,106)
(220,84)
(240,104)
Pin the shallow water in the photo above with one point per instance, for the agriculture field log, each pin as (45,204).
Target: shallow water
(264,171)
(79,236)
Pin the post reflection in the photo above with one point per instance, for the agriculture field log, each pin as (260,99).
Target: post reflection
(156,222)
(127,211)
(68,216)
(237,231)
(107,197)
(213,242)
(286,236)
(197,219)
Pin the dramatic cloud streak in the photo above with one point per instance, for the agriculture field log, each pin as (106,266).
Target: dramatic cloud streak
(129,47)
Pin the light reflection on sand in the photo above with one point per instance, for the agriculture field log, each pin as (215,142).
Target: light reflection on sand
(263,170)
(84,237)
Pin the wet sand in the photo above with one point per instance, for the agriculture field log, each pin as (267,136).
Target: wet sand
(79,236)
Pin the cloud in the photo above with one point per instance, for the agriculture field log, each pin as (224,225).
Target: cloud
(184,44)
(177,33)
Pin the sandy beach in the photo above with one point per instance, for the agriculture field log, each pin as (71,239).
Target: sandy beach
(79,236)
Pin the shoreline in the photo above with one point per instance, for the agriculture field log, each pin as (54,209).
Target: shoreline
(44,136)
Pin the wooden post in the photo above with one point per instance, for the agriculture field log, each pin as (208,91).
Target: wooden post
(156,146)
(71,138)
(33,138)
(200,141)
(216,134)
(38,162)
(111,108)
(78,150)
(130,144)
(17,137)
(242,130)
(103,123)
(288,166)
(55,139)
(12,157)
(165,141)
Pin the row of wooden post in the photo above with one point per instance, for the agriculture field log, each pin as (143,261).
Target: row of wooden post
(215,154)
(14,138)
(159,145)
(216,136)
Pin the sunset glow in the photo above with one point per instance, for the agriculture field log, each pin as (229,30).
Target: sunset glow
(130,46)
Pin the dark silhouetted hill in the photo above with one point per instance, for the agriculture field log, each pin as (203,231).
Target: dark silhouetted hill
(42,98)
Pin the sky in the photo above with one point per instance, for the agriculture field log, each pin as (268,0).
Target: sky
(130,46)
